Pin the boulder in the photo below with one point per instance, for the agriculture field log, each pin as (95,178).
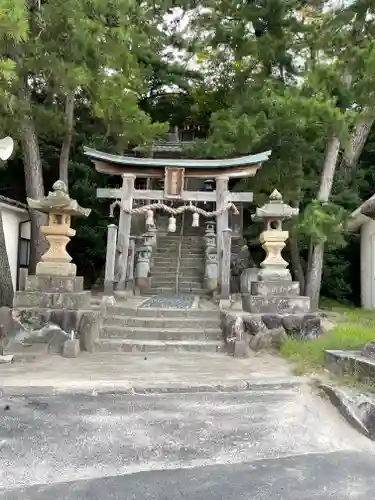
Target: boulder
(9,327)
(88,330)
(272,320)
(292,324)
(253,325)
(311,328)
(51,334)
(272,339)
(369,350)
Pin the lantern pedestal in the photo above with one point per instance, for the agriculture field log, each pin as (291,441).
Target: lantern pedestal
(56,261)
(274,267)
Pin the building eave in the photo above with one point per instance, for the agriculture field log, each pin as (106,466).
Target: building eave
(129,161)
(14,205)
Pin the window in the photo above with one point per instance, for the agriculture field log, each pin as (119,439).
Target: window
(24,252)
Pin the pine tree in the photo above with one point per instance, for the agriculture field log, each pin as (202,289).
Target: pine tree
(13,29)
(94,50)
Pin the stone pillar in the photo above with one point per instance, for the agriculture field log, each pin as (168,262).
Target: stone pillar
(131,260)
(110,258)
(125,226)
(210,275)
(225,264)
(221,220)
(142,270)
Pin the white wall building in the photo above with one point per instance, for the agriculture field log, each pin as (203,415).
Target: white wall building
(16,226)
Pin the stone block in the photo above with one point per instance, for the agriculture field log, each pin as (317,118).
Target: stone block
(241,349)
(71,348)
(275,304)
(274,274)
(265,288)
(248,276)
(53,268)
(52,300)
(68,284)
(88,330)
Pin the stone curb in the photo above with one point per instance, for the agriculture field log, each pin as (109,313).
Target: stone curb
(340,402)
(241,386)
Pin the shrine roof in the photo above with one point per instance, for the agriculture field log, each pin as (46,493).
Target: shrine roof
(171,162)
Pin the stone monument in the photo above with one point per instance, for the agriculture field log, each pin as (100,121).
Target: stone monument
(273,290)
(55,294)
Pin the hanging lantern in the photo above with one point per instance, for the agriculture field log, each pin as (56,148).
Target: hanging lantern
(195,219)
(150,218)
(172,224)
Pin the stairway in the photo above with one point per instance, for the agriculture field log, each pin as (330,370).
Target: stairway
(178,266)
(178,261)
(129,327)
(149,324)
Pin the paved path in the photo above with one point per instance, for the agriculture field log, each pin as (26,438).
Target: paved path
(271,442)
(103,371)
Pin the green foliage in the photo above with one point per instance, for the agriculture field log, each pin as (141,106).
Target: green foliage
(324,223)
(309,355)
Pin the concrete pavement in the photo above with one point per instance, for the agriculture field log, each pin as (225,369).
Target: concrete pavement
(339,476)
(267,443)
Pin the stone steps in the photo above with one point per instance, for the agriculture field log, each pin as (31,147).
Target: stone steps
(129,345)
(187,261)
(172,291)
(165,334)
(157,322)
(172,275)
(128,327)
(194,282)
(148,312)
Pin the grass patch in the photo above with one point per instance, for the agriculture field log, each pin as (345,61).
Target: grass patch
(347,314)
(309,355)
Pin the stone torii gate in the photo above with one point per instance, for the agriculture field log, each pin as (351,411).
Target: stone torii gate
(175,172)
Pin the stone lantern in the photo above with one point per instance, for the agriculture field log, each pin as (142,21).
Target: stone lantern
(273,238)
(271,289)
(60,208)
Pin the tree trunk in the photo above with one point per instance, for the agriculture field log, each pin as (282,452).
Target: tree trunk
(65,148)
(355,147)
(296,260)
(315,264)
(6,283)
(33,181)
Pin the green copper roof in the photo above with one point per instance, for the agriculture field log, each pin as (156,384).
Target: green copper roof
(156,162)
